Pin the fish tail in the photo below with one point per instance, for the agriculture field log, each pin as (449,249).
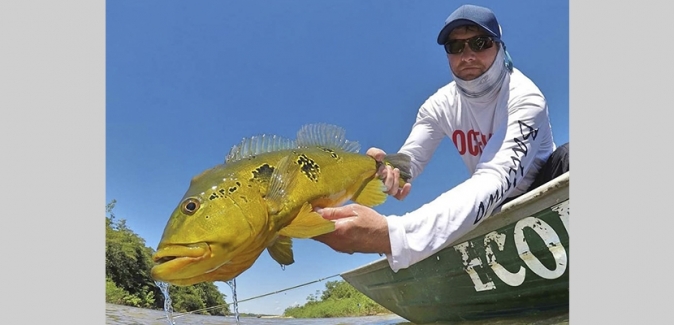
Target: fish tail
(401,161)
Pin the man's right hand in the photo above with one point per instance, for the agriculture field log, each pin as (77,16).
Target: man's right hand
(358,229)
(389,175)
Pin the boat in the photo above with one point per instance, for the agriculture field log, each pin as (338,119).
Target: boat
(516,262)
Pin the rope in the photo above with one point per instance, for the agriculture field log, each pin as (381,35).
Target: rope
(251,298)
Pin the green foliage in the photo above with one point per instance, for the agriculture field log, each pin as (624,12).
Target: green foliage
(199,296)
(337,290)
(117,295)
(127,275)
(187,299)
(113,293)
(211,296)
(340,299)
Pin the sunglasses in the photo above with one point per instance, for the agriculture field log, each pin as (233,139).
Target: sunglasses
(476,43)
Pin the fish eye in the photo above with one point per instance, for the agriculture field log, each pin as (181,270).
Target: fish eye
(190,206)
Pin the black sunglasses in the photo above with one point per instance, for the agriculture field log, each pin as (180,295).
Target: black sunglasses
(476,43)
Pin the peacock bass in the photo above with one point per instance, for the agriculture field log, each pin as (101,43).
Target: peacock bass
(263,196)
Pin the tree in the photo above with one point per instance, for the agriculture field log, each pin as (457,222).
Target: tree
(338,290)
(339,299)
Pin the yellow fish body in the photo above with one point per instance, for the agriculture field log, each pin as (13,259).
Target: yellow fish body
(261,197)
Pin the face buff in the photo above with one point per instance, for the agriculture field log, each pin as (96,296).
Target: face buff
(489,81)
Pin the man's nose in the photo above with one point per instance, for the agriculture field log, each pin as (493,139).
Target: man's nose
(467,54)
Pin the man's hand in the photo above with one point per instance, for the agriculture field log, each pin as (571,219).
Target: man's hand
(358,229)
(390,175)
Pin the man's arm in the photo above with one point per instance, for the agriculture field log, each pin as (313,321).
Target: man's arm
(506,159)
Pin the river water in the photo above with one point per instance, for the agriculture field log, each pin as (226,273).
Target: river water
(125,315)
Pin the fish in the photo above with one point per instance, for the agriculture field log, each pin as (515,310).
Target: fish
(261,198)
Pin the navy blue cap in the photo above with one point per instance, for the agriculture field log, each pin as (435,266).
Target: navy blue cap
(469,15)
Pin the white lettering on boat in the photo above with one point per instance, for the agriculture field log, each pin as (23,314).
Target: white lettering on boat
(469,267)
(551,240)
(511,279)
(541,228)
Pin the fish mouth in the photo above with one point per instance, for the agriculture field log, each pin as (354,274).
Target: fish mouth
(178,251)
(173,261)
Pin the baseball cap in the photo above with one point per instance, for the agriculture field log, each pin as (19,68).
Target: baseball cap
(467,15)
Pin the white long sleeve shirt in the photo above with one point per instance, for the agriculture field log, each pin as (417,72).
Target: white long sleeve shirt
(503,140)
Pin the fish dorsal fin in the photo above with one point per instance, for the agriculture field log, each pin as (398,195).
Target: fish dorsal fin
(258,144)
(312,135)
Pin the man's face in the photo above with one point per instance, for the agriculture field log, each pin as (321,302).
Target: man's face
(470,64)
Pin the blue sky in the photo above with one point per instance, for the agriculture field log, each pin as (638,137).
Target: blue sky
(187,81)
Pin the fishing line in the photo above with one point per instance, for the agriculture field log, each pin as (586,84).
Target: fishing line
(251,298)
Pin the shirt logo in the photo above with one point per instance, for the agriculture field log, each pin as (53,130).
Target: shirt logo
(471,142)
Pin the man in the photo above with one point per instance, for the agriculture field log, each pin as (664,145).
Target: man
(498,120)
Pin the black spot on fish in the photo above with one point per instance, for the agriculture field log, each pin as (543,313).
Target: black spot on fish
(309,167)
(213,197)
(262,172)
(222,191)
(332,153)
(233,189)
(243,198)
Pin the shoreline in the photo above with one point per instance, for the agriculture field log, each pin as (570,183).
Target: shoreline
(250,315)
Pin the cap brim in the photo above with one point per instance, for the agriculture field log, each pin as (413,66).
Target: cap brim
(444,32)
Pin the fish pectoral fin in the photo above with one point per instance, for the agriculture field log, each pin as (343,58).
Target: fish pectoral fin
(280,184)
(371,193)
(307,224)
(282,250)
